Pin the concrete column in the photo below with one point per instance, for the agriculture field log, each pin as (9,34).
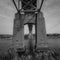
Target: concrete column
(18,31)
(41,30)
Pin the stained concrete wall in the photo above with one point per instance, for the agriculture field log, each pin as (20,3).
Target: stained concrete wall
(18,31)
(41,31)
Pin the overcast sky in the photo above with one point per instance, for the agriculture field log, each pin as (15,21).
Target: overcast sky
(51,10)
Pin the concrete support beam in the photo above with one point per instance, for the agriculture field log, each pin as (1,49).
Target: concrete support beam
(18,31)
(41,30)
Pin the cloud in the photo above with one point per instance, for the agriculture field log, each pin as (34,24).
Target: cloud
(51,10)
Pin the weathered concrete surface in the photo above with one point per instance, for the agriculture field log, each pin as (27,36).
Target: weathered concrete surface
(18,31)
(41,30)
(42,40)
